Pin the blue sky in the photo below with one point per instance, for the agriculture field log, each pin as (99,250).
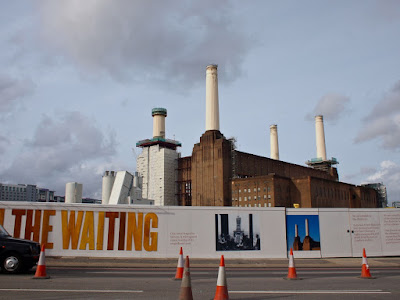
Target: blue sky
(79,79)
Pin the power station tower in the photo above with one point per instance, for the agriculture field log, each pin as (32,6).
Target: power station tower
(274,141)
(158,163)
(211,162)
(321,162)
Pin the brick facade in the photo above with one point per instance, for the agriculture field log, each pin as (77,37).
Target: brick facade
(217,175)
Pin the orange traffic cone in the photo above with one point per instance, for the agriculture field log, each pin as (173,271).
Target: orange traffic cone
(179,268)
(222,287)
(186,285)
(365,268)
(41,267)
(292,269)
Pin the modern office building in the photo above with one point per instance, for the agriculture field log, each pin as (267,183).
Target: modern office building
(25,192)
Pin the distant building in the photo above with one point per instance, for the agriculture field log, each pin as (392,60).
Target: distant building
(59,198)
(25,192)
(90,201)
(123,187)
(380,188)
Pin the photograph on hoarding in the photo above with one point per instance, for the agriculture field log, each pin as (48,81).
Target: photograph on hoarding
(237,231)
(303,232)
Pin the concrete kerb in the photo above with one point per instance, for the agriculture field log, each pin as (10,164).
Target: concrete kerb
(97,262)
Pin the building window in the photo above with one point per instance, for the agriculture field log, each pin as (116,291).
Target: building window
(248,190)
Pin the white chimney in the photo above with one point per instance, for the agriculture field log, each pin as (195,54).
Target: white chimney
(106,188)
(73,192)
(159,114)
(212,106)
(320,137)
(274,141)
(307,232)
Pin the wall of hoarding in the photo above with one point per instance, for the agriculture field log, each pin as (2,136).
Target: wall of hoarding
(203,232)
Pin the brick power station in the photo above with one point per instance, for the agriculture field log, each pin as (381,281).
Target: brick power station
(216,174)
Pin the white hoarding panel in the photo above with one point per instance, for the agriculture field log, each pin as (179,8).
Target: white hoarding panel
(336,233)
(202,232)
(147,231)
(366,228)
(390,231)
(273,228)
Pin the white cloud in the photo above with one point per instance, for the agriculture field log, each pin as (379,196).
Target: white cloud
(63,149)
(12,92)
(383,122)
(160,41)
(389,175)
(332,106)
(4,141)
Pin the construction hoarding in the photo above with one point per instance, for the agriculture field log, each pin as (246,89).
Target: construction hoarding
(203,232)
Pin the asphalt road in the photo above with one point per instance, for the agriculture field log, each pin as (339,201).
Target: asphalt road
(243,283)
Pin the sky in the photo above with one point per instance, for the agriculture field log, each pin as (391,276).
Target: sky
(78,80)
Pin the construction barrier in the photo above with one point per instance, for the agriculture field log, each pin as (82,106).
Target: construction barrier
(125,231)
(186,285)
(41,266)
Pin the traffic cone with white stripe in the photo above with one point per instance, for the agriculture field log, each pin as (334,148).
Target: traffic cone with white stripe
(292,269)
(186,285)
(365,268)
(222,288)
(41,266)
(180,267)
